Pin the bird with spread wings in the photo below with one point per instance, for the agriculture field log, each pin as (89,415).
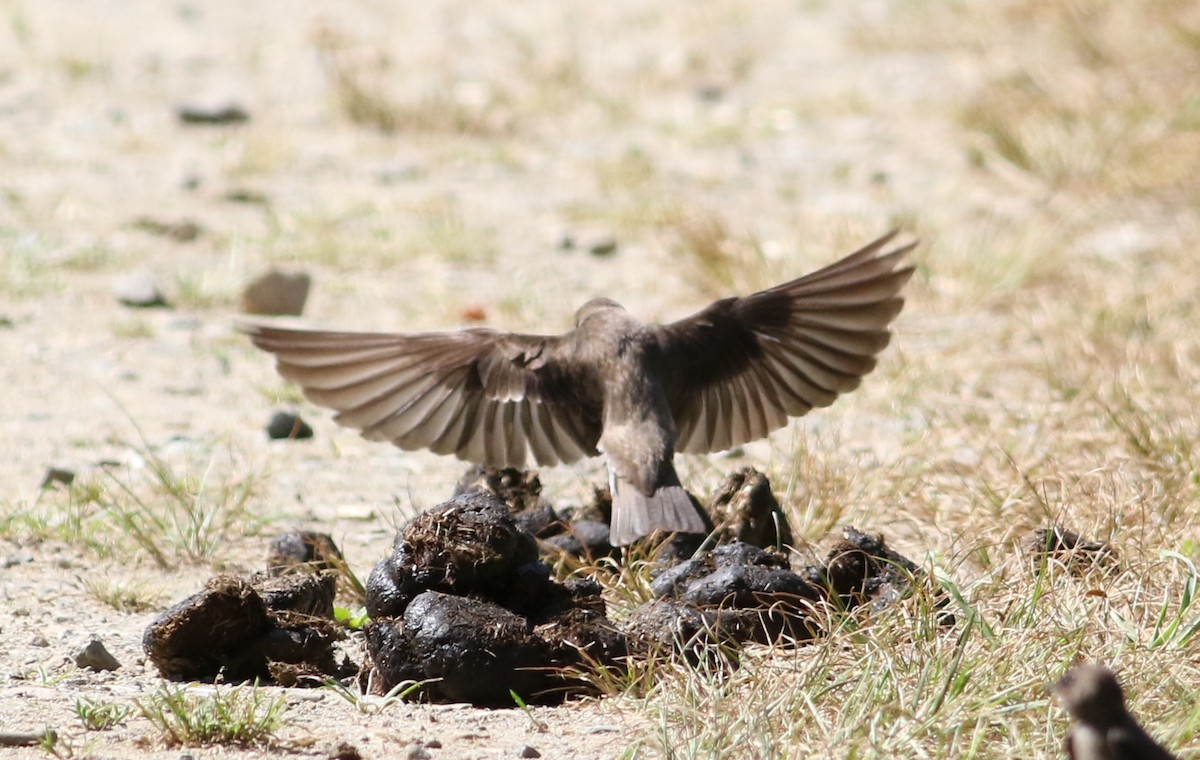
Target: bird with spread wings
(636,392)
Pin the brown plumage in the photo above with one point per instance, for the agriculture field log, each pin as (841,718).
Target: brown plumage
(731,373)
(1102,729)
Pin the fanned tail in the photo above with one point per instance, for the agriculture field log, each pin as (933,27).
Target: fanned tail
(670,508)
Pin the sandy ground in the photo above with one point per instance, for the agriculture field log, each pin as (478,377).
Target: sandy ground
(509,128)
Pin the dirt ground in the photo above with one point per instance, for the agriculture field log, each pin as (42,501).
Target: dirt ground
(425,163)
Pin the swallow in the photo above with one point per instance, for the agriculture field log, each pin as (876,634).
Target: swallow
(635,392)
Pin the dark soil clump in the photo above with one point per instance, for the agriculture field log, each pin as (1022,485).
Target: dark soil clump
(861,568)
(303,551)
(465,605)
(744,509)
(1067,547)
(236,630)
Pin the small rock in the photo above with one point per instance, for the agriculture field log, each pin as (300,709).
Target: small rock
(184,231)
(528,751)
(139,289)
(289,426)
(345,751)
(246,195)
(433,743)
(25,740)
(277,292)
(473,313)
(57,475)
(13,560)
(303,551)
(595,243)
(417,752)
(39,641)
(212,113)
(94,656)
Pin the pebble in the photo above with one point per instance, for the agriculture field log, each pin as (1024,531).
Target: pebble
(94,656)
(138,289)
(184,231)
(8,739)
(277,292)
(288,425)
(214,113)
(345,751)
(13,560)
(417,752)
(57,475)
(39,641)
(601,246)
(595,243)
(246,195)
(528,751)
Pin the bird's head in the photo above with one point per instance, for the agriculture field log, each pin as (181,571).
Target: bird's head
(1090,692)
(595,307)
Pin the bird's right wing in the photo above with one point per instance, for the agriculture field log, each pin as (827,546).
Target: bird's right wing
(485,396)
(740,368)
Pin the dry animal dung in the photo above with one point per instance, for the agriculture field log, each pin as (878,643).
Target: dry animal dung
(1067,547)
(744,509)
(303,551)
(236,631)
(465,605)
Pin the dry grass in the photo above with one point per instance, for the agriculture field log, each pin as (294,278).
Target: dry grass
(1063,392)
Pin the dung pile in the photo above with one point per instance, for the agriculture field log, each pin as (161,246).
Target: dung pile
(742,593)
(235,630)
(1067,548)
(465,605)
(581,533)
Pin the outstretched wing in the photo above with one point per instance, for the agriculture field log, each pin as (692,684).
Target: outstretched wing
(485,396)
(741,367)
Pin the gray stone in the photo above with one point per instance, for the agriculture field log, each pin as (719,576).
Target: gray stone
(288,426)
(212,113)
(139,289)
(13,560)
(94,656)
(417,752)
(597,243)
(277,292)
(528,751)
(58,475)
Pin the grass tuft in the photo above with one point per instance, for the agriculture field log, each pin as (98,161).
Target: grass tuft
(241,716)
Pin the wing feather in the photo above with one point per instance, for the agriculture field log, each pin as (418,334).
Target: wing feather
(738,369)
(486,396)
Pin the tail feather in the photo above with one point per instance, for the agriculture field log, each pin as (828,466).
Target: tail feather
(670,508)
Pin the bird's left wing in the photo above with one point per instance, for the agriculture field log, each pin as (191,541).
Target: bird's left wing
(738,369)
(485,396)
